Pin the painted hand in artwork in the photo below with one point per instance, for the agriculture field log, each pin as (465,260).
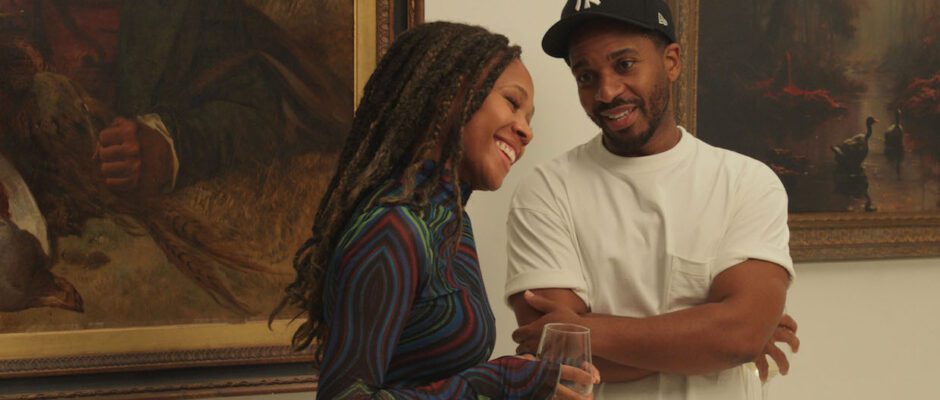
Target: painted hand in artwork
(65,127)
(133,158)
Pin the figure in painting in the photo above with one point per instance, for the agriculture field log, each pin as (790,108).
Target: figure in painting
(849,174)
(894,142)
(128,101)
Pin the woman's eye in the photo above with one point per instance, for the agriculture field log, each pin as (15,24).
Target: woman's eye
(513,102)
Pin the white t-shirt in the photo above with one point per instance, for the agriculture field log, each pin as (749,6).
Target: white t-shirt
(642,236)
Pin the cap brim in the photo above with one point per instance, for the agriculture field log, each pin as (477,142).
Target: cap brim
(555,41)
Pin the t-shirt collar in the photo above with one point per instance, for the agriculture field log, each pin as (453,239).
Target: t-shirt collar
(641,164)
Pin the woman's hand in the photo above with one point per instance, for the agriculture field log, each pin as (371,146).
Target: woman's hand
(578,376)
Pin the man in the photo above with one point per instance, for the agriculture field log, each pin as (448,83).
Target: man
(673,252)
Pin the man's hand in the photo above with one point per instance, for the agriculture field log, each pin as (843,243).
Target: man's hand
(785,333)
(133,157)
(528,335)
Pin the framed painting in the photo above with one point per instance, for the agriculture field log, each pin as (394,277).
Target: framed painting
(170,250)
(840,99)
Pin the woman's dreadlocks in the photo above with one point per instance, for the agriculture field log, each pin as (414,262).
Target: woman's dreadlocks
(432,80)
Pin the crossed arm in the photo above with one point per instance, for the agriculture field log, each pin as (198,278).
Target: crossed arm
(740,321)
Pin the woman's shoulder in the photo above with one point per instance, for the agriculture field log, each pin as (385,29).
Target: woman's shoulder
(401,222)
(394,233)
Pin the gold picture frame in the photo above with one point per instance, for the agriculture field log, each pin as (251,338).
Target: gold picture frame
(822,236)
(30,355)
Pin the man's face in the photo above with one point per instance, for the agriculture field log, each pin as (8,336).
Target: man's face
(623,82)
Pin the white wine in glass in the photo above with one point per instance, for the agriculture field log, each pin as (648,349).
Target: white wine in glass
(568,344)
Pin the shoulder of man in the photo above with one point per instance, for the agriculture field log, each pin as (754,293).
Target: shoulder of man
(549,178)
(745,169)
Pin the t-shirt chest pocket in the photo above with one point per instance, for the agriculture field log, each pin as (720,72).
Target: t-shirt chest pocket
(687,282)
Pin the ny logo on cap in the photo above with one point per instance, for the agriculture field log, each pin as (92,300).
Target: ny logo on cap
(585,4)
(662,20)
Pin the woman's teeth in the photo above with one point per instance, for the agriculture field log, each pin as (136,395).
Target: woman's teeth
(507,150)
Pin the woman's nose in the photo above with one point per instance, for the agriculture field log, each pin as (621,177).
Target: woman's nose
(524,131)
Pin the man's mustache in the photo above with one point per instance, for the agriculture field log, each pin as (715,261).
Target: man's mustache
(618,102)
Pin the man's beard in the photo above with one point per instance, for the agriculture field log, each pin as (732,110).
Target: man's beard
(654,111)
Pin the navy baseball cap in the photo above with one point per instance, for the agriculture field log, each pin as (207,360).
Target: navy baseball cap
(648,14)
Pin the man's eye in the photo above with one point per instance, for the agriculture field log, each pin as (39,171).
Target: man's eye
(624,65)
(584,79)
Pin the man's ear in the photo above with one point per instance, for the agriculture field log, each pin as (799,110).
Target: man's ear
(672,58)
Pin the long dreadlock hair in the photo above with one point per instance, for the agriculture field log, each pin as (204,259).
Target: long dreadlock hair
(423,91)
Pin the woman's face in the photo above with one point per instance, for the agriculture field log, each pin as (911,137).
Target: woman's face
(496,135)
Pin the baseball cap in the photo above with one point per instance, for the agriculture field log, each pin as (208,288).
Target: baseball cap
(649,14)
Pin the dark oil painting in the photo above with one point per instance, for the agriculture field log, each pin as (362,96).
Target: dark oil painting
(841,98)
(239,106)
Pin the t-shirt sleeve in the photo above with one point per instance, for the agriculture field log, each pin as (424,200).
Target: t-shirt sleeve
(375,281)
(541,244)
(758,227)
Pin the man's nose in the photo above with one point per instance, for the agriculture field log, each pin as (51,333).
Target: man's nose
(609,89)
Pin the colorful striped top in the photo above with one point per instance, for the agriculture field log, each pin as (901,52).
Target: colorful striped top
(408,321)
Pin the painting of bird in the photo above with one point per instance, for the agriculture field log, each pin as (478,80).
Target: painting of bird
(25,277)
(894,142)
(850,154)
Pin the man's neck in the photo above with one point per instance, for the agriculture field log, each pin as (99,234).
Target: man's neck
(666,136)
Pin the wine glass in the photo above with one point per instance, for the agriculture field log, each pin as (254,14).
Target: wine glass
(567,344)
(773,370)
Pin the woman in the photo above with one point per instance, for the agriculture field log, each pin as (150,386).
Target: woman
(390,280)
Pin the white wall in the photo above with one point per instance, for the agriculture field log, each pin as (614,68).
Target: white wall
(870,330)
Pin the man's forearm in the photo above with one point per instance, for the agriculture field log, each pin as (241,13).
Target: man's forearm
(609,370)
(612,372)
(703,339)
(698,340)
(731,327)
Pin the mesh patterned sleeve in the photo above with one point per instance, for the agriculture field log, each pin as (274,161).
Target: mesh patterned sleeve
(408,322)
